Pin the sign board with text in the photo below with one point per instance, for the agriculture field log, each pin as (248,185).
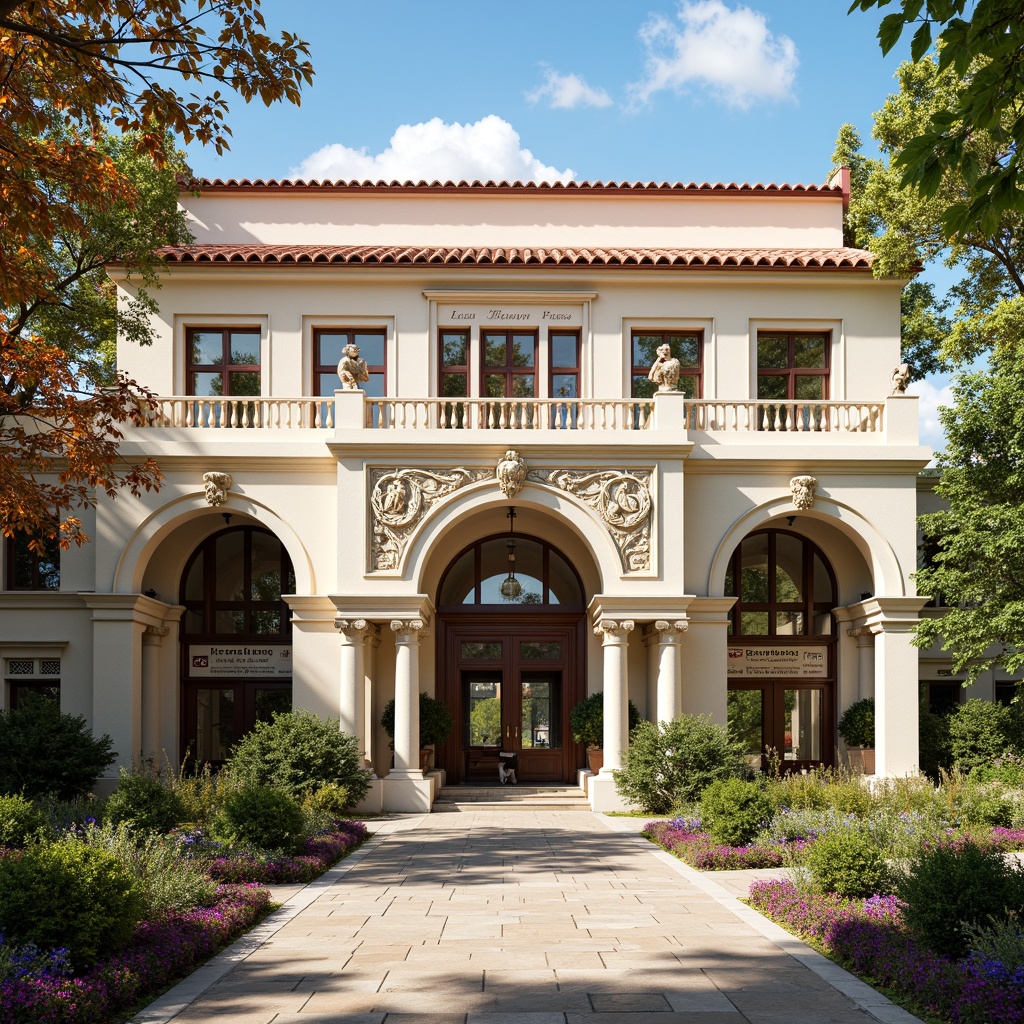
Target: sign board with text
(511,316)
(778,662)
(253,661)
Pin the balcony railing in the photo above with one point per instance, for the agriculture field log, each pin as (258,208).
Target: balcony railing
(710,416)
(229,413)
(508,414)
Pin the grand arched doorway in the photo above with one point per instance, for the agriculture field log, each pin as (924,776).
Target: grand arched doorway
(235,639)
(510,659)
(782,650)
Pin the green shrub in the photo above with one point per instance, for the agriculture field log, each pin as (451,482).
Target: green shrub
(45,752)
(934,753)
(298,752)
(260,816)
(144,802)
(670,764)
(197,791)
(1007,770)
(435,720)
(948,889)
(169,881)
(19,821)
(69,894)
(331,800)
(586,720)
(1001,940)
(821,789)
(857,723)
(733,811)
(847,861)
(979,732)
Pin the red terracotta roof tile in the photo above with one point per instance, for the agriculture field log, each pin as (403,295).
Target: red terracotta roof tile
(385,255)
(714,188)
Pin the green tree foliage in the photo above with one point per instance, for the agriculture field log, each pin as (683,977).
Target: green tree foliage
(978,541)
(44,752)
(977,138)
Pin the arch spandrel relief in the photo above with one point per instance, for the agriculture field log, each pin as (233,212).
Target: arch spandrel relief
(400,498)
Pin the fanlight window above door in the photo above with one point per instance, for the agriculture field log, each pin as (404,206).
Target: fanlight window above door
(545,578)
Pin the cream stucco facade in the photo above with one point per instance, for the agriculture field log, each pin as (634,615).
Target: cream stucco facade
(645,496)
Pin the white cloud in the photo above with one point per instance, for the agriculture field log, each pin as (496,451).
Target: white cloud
(729,53)
(930,397)
(567,92)
(488,150)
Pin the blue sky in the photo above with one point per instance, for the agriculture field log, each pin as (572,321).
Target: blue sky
(676,90)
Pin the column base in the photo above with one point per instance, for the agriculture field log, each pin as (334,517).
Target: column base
(406,793)
(373,802)
(603,795)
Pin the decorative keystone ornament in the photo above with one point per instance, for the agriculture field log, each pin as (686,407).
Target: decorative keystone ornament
(511,474)
(217,486)
(803,488)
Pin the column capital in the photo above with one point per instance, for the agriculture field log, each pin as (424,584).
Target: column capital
(356,631)
(613,630)
(863,634)
(409,631)
(153,636)
(666,631)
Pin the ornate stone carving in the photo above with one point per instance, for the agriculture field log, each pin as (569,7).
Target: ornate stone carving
(671,632)
(356,631)
(352,368)
(217,486)
(664,370)
(900,379)
(613,631)
(511,474)
(398,500)
(623,501)
(408,631)
(803,488)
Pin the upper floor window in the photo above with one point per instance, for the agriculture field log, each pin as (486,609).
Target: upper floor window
(223,361)
(509,364)
(328,345)
(686,346)
(564,363)
(793,366)
(29,569)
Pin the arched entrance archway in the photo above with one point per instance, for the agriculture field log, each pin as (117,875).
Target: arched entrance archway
(510,659)
(782,649)
(235,639)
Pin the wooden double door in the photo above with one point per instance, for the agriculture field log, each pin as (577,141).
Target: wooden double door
(509,687)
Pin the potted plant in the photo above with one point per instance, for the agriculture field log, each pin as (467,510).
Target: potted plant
(586,720)
(435,725)
(857,728)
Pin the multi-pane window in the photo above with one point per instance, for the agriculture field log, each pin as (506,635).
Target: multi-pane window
(686,346)
(223,362)
(509,364)
(783,586)
(233,586)
(32,677)
(564,369)
(28,569)
(328,346)
(793,366)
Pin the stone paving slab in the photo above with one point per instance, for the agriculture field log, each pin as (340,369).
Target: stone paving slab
(532,917)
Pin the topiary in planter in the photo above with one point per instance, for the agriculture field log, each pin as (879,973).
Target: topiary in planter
(857,723)
(435,720)
(586,720)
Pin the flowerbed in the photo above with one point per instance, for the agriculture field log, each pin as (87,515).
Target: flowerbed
(867,936)
(683,838)
(320,853)
(160,953)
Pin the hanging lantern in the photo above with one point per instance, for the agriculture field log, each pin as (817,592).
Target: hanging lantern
(511,588)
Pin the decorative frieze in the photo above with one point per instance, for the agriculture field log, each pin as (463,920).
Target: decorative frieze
(622,499)
(399,498)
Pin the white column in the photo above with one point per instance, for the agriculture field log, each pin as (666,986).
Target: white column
(408,633)
(670,669)
(614,634)
(152,638)
(352,692)
(865,661)
(896,709)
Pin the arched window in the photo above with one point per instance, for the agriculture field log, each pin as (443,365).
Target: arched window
(784,586)
(233,583)
(479,576)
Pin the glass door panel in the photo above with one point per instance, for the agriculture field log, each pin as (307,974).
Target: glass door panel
(540,706)
(802,721)
(483,700)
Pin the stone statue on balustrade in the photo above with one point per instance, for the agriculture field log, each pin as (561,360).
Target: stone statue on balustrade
(664,370)
(900,379)
(352,368)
